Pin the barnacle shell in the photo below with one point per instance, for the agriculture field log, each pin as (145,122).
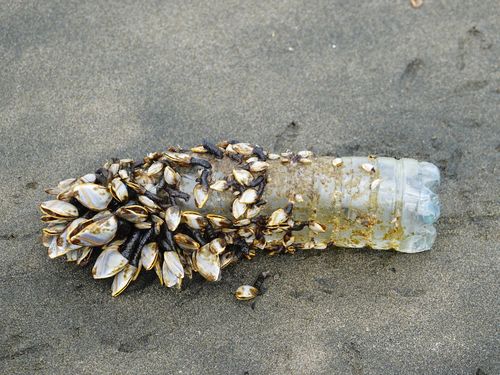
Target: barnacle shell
(273,156)
(320,245)
(54,229)
(74,226)
(59,245)
(47,239)
(227,259)
(171,176)
(119,190)
(200,194)
(317,227)
(148,202)
(253,211)
(207,263)
(133,213)
(219,185)
(305,154)
(59,209)
(89,177)
(199,149)
(149,254)
(173,262)
(158,270)
(155,168)
(113,169)
(217,246)
(72,255)
(185,242)
(84,254)
(249,196)
(177,157)
(62,187)
(246,292)
(251,159)
(219,221)
(108,263)
(173,217)
(337,162)
(239,208)
(143,179)
(193,219)
(95,232)
(368,167)
(143,225)
(243,176)
(277,217)
(258,166)
(375,183)
(93,196)
(243,148)
(172,270)
(169,279)
(123,279)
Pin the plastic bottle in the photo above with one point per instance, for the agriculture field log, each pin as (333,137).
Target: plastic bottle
(376,202)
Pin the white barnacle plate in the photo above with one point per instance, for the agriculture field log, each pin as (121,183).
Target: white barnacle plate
(217,246)
(238,208)
(149,254)
(243,176)
(134,213)
(249,196)
(193,219)
(173,262)
(93,196)
(108,263)
(246,292)
(200,194)
(123,279)
(59,209)
(171,176)
(185,242)
(208,263)
(277,217)
(173,217)
(96,233)
(219,185)
(119,190)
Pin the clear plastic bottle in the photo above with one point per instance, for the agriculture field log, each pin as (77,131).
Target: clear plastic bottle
(392,206)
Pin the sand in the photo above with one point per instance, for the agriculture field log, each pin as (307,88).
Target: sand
(85,81)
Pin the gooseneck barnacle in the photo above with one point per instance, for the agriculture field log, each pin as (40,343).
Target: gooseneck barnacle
(199,210)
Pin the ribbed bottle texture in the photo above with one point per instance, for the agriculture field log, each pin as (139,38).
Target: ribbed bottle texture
(377,202)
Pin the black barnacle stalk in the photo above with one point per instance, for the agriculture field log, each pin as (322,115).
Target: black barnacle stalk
(145,237)
(236,157)
(204,178)
(166,240)
(200,162)
(130,247)
(213,149)
(259,180)
(259,152)
(101,176)
(123,230)
(177,194)
(182,213)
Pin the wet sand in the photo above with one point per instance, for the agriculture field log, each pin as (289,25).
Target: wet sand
(81,83)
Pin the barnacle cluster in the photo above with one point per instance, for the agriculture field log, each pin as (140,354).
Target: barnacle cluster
(131,216)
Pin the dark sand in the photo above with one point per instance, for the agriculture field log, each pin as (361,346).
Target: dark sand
(84,82)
